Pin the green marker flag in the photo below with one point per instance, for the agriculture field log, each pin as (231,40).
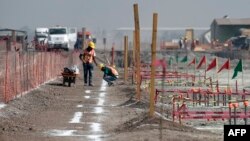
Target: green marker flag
(177,58)
(185,59)
(237,69)
(170,61)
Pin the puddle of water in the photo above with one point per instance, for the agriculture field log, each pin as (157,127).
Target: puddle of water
(209,128)
(102,94)
(214,129)
(103,86)
(77,117)
(73,133)
(98,110)
(87,91)
(100,102)
(79,106)
(87,96)
(95,127)
(103,89)
(95,137)
(2,105)
(61,132)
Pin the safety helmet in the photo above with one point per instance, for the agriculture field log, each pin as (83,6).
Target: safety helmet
(101,66)
(91,44)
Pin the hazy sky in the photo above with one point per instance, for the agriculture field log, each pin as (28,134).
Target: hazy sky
(112,14)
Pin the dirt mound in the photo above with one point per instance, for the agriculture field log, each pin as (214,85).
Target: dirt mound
(143,120)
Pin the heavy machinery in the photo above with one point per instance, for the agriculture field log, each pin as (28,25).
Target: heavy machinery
(240,42)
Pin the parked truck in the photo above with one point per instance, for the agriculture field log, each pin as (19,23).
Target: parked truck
(41,37)
(62,38)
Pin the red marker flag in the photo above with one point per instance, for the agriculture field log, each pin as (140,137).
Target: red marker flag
(225,66)
(212,64)
(203,60)
(193,61)
(160,62)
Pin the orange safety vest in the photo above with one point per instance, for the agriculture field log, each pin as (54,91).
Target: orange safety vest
(88,56)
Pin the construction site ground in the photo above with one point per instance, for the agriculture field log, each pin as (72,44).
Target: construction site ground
(54,112)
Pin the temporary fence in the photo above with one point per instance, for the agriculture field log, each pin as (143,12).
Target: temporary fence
(184,75)
(203,96)
(194,104)
(207,97)
(234,111)
(171,77)
(22,71)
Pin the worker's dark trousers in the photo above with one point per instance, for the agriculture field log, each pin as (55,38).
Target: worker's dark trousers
(88,70)
(109,79)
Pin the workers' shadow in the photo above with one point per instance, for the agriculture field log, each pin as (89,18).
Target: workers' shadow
(56,84)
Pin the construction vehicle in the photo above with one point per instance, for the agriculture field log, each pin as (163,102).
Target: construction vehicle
(240,42)
(88,37)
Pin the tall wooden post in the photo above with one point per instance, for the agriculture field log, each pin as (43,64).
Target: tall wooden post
(13,40)
(104,45)
(134,59)
(153,51)
(83,38)
(112,55)
(13,36)
(125,58)
(137,41)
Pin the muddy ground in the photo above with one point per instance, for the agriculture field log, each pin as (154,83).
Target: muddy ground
(54,112)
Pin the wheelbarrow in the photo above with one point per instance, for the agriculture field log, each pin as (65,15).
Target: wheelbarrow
(69,78)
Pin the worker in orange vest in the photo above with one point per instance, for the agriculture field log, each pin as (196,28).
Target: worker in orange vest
(110,73)
(88,57)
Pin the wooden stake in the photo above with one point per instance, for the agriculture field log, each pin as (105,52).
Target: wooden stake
(112,55)
(153,51)
(242,75)
(13,36)
(83,37)
(138,63)
(125,58)
(134,59)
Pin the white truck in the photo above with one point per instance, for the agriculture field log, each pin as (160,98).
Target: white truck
(41,37)
(62,38)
